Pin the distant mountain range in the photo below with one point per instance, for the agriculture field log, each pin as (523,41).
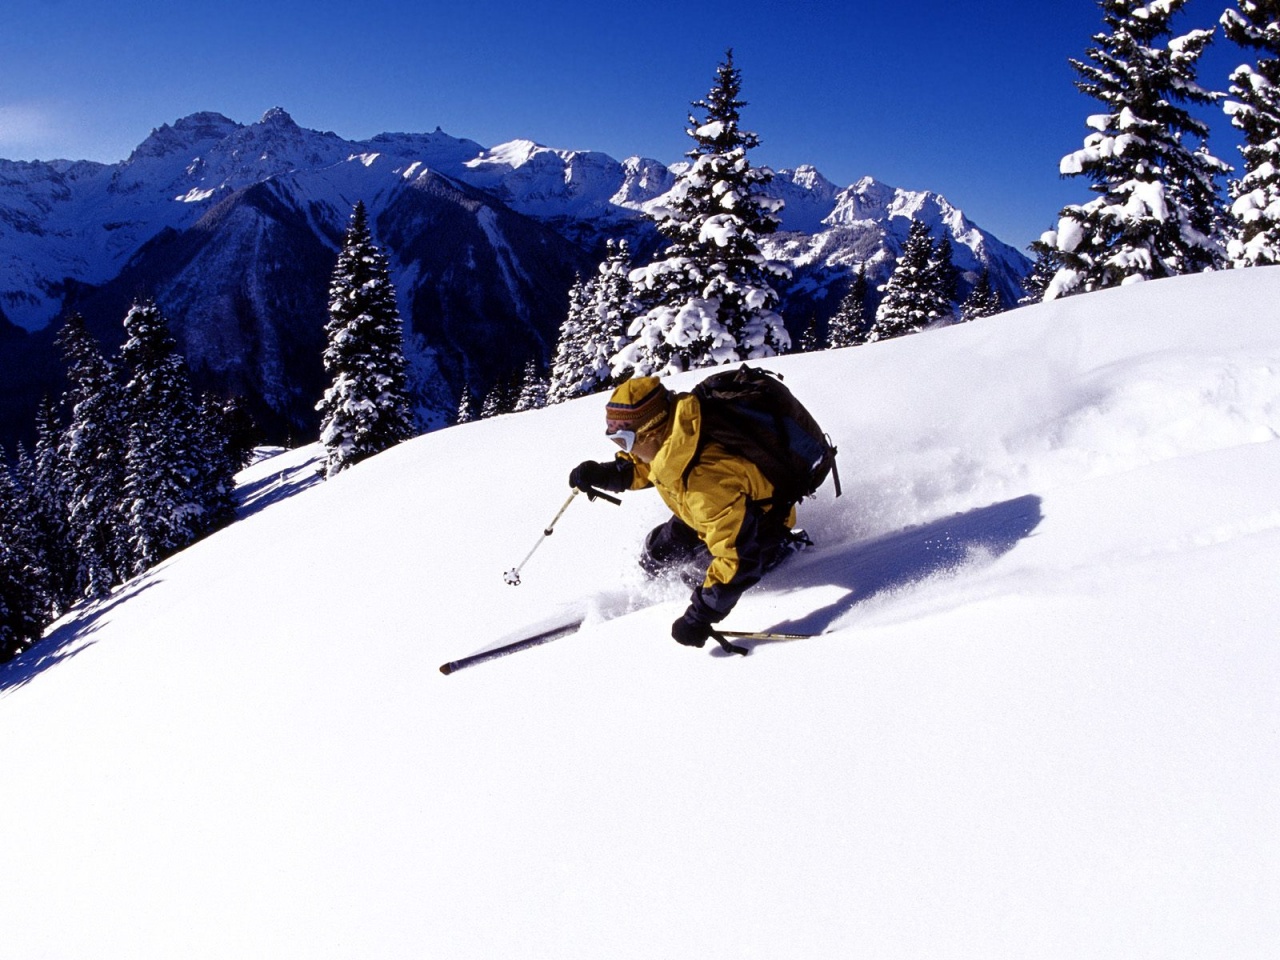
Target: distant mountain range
(234,229)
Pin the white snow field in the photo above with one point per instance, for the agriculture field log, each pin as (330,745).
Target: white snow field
(1042,719)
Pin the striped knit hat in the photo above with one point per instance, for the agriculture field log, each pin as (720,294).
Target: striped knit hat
(639,405)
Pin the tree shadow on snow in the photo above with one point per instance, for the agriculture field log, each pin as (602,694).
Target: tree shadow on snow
(255,497)
(900,559)
(67,639)
(70,636)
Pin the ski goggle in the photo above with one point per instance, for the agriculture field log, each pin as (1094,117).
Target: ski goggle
(626,439)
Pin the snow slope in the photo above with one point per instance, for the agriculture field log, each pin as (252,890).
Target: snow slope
(1041,720)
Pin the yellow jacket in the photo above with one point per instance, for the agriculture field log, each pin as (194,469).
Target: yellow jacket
(719,500)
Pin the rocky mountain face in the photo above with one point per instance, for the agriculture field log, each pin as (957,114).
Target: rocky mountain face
(234,230)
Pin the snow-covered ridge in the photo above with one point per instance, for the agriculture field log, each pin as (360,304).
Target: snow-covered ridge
(868,222)
(84,221)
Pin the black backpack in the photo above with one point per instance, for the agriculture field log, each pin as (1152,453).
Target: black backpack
(750,413)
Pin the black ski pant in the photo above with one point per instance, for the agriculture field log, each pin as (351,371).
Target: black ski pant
(675,547)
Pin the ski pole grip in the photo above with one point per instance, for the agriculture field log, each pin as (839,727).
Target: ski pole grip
(592,493)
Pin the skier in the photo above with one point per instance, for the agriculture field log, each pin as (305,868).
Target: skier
(724,520)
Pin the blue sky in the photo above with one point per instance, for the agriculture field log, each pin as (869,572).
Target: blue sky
(974,101)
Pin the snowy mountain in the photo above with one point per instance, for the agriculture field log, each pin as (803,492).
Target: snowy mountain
(233,229)
(1041,718)
(827,233)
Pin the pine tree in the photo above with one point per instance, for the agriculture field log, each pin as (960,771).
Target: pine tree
(466,405)
(944,278)
(22,598)
(573,370)
(852,325)
(912,299)
(1157,213)
(43,479)
(222,456)
(612,306)
(48,563)
(600,311)
(31,526)
(1255,208)
(241,431)
(92,452)
(710,298)
(26,525)
(366,409)
(1048,261)
(983,300)
(812,340)
(495,402)
(165,485)
(533,388)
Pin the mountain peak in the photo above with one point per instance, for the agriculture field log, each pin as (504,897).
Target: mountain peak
(206,120)
(277,117)
(185,134)
(810,178)
(874,190)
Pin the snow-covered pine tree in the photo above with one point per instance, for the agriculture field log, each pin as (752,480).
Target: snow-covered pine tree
(912,299)
(1048,261)
(165,495)
(1157,213)
(366,409)
(983,300)
(944,277)
(572,370)
(495,402)
(221,457)
(240,429)
(466,405)
(533,388)
(48,563)
(611,308)
(852,323)
(812,340)
(43,480)
(25,525)
(1255,110)
(22,595)
(600,311)
(711,297)
(92,452)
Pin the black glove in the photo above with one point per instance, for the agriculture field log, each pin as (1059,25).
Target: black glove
(615,475)
(691,630)
(695,626)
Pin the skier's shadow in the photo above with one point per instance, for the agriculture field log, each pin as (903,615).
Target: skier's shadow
(900,559)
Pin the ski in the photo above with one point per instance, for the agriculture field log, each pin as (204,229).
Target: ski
(564,630)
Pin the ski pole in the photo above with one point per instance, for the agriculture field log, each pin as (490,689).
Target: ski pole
(722,637)
(512,576)
(594,494)
(507,649)
(764,635)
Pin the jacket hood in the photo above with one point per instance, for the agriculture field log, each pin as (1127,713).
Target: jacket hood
(674,457)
